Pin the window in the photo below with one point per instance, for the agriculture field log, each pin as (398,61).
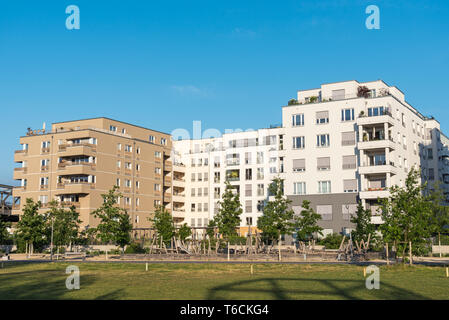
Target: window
(325,211)
(429,153)
(260,205)
(260,174)
(192,209)
(192,192)
(119,163)
(164,141)
(431,174)
(323,163)
(119,146)
(192,222)
(259,157)
(138,150)
(248,206)
(349,162)
(137,202)
(248,174)
(348,210)
(45,144)
(157,170)
(322,117)
(43,199)
(157,187)
(299,165)
(376,111)
(298,142)
(128,165)
(158,154)
(216,177)
(151,139)
(324,187)
(128,183)
(157,203)
(249,221)
(192,177)
(128,148)
(347,114)
(216,193)
(112,128)
(298,120)
(137,184)
(44,181)
(248,190)
(299,188)
(137,167)
(350,185)
(260,190)
(123,131)
(322,140)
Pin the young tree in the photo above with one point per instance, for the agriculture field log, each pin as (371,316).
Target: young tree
(211,228)
(184,232)
(406,214)
(307,222)
(363,225)
(439,213)
(228,217)
(277,218)
(115,225)
(64,222)
(163,223)
(31,226)
(4,235)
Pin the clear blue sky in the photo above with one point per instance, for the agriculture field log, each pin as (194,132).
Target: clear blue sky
(230,64)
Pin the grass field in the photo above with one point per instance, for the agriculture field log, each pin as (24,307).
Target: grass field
(219,281)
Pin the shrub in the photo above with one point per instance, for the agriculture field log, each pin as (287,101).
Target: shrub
(331,241)
(134,248)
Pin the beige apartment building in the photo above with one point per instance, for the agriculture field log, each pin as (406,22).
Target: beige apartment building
(78,161)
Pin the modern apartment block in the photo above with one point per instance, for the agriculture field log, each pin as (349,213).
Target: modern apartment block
(77,161)
(339,144)
(248,160)
(348,141)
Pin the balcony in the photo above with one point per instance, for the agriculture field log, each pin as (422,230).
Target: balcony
(374,193)
(179,197)
(75,187)
(167,180)
(77,149)
(68,204)
(19,171)
(19,155)
(380,168)
(178,213)
(168,166)
(376,144)
(179,168)
(82,168)
(178,182)
(372,120)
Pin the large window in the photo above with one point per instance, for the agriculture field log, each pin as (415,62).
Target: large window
(347,114)
(324,187)
(322,140)
(298,142)
(299,188)
(298,120)
(376,111)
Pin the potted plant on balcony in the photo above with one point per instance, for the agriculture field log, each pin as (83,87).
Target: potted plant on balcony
(292,102)
(365,137)
(363,91)
(313,99)
(361,114)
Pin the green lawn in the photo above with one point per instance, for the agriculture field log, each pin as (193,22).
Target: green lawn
(220,281)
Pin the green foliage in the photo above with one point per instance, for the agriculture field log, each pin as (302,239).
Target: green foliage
(115,225)
(228,217)
(363,226)
(211,228)
(331,241)
(307,223)
(184,232)
(31,227)
(134,248)
(65,224)
(163,223)
(406,214)
(277,218)
(439,218)
(4,235)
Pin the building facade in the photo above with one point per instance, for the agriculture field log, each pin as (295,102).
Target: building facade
(338,145)
(78,161)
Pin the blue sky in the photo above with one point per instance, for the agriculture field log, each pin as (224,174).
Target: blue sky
(230,64)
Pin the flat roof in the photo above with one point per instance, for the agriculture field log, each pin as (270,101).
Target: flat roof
(127,123)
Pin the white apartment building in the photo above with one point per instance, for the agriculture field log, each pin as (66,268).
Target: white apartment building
(343,145)
(339,144)
(248,160)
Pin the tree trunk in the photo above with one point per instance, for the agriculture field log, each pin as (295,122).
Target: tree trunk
(439,242)
(229,257)
(279,247)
